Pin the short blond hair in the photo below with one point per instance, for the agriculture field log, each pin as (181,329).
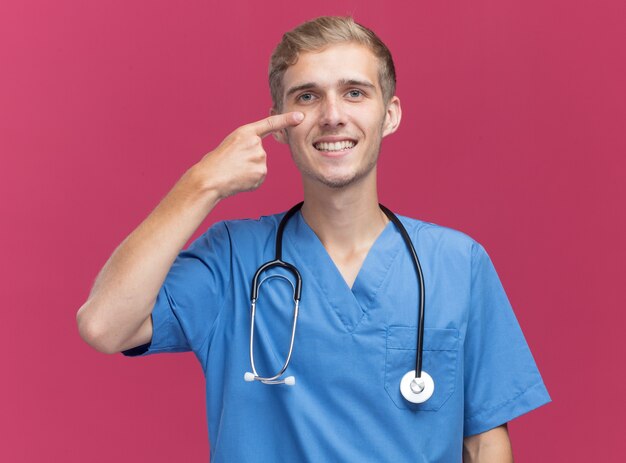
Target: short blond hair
(318,33)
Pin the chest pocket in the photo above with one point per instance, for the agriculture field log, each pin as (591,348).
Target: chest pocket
(439,360)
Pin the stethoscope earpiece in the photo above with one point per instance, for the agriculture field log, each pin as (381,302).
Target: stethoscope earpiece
(288,381)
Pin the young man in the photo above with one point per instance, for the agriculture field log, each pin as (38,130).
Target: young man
(333,86)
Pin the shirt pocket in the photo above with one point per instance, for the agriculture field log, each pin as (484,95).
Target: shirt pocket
(439,360)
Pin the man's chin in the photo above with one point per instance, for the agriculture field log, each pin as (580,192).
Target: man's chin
(336,185)
(337,182)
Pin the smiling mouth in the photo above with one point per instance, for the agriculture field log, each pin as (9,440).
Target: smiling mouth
(336,146)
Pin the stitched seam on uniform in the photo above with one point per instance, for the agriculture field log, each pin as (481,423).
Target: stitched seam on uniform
(431,407)
(386,372)
(334,307)
(163,349)
(425,350)
(225,299)
(370,300)
(502,404)
(170,301)
(387,276)
(387,273)
(469,292)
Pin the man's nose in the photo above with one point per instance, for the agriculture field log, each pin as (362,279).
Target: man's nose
(332,112)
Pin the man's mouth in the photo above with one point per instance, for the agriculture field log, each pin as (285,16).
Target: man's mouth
(334,146)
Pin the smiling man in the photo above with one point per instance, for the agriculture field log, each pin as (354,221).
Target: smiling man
(358,332)
(347,115)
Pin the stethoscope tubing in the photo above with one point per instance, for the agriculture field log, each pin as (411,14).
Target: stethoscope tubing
(297,291)
(422,295)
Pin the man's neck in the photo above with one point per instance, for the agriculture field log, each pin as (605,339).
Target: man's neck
(347,219)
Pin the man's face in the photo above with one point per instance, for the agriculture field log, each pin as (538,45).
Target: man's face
(339,92)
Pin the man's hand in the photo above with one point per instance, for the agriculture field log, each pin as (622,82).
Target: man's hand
(239,162)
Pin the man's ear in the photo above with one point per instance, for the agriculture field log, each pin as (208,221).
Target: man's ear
(280,135)
(393,116)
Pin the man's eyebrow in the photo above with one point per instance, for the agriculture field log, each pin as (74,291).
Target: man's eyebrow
(356,82)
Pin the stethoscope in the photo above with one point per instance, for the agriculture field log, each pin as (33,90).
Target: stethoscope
(416,385)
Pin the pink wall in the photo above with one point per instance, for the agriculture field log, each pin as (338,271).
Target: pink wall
(513,131)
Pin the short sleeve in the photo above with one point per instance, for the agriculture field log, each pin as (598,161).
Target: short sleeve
(191,297)
(502,381)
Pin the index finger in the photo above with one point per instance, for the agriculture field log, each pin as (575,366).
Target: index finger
(276,122)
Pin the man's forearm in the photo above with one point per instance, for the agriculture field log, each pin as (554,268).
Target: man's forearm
(126,289)
(124,293)
(493,446)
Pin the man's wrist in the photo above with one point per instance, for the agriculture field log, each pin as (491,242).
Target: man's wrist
(196,188)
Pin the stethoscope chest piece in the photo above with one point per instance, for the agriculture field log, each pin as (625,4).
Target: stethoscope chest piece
(417,390)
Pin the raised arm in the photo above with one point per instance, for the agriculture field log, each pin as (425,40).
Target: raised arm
(116,315)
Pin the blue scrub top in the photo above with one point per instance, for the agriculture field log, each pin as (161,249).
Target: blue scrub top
(352,346)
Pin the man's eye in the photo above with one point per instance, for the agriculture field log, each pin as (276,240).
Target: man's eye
(355,93)
(305,97)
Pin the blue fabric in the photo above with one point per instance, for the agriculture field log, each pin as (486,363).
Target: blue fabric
(352,346)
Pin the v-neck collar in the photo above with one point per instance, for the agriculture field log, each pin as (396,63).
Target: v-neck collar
(350,305)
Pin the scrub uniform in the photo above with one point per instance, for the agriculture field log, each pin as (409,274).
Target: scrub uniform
(352,346)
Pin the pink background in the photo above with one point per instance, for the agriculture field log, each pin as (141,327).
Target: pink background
(513,131)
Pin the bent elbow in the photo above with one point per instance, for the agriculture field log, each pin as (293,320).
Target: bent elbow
(92,334)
